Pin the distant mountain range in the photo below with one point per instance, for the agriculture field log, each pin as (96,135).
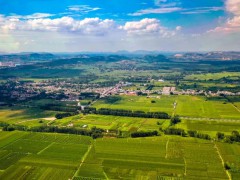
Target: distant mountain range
(27,57)
(219,55)
(192,56)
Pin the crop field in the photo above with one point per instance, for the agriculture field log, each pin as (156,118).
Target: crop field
(24,116)
(209,127)
(111,122)
(40,155)
(28,155)
(231,155)
(187,106)
(197,106)
(153,158)
(141,103)
(213,76)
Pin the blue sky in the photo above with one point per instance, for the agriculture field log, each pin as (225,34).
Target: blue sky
(111,25)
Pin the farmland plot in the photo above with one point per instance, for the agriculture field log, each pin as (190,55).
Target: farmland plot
(40,155)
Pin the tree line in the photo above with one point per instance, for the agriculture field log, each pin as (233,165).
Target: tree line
(93,132)
(183,133)
(128,113)
(234,137)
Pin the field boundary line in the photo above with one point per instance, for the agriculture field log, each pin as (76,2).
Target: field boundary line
(235,107)
(185,169)
(45,148)
(149,162)
(82,161)
(210,119)
(166,156)
(18,139)
(220,156)
(105,175)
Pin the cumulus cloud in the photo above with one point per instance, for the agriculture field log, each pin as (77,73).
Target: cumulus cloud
(87,26)
(148,27)
(233,6)
(232,24)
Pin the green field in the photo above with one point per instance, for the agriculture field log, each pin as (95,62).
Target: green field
(209,127)
(198,106)
(141,103)
(41,155)
(154,158)
(24,116)
(213,76)
(128,124)
(187,106)
(57,156)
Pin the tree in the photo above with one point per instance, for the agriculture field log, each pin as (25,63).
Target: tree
(220,135)
(174,120)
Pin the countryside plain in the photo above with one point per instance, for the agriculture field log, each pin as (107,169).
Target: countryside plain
(120,116)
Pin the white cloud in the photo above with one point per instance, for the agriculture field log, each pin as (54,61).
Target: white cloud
(148,27)
(201,10)
(164,7)
(233,6)
(233,23)
(178,28)
(31,16)
(87,26)
(156,11)
(82,8)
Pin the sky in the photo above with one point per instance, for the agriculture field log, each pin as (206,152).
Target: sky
(113,25)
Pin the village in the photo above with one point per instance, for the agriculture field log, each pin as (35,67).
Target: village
(66,91)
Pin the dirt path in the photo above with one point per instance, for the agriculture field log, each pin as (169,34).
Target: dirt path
(83,159)
(166,156)
(220,156)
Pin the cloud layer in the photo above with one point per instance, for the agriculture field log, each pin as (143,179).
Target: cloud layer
(233,23)
(148,27)
(87,26)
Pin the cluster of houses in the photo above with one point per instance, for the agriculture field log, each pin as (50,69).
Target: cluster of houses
(71,91)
